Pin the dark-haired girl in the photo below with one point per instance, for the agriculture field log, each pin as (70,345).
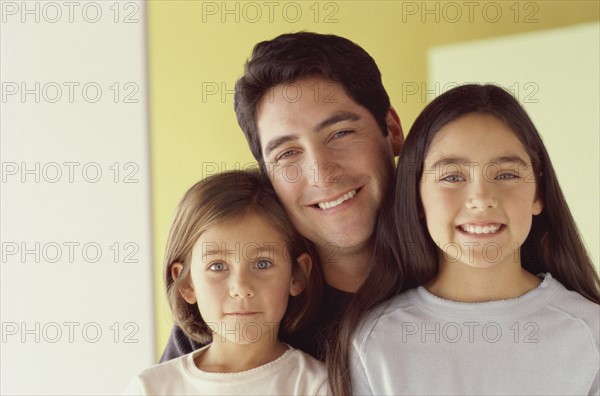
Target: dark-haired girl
(511,306)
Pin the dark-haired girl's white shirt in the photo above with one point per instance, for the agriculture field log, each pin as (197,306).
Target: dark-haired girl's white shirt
(542,343)
(293,373)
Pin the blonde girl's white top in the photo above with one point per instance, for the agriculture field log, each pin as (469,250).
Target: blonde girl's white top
(542,343)
(293,373)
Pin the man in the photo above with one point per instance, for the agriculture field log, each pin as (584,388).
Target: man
(319,123)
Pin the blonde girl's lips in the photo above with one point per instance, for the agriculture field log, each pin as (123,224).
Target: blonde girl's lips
(480,229)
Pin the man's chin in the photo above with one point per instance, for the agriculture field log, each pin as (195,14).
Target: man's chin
(343,244)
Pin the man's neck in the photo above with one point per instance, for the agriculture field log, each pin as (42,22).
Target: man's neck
(346,269)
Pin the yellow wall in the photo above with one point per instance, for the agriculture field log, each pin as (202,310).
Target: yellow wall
(194,45)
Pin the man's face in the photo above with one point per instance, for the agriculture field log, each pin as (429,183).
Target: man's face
(327,159)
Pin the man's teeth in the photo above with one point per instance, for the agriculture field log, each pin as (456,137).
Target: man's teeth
(488,229)
(333,204)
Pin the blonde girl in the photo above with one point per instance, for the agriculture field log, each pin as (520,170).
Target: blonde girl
(237,276)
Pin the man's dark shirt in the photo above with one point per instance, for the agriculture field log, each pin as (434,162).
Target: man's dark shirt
(311,339)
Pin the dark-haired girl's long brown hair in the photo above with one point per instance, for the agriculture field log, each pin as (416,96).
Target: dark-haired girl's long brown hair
(387,277)
(406,256)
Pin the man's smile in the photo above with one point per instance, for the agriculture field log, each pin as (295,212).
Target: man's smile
(332,203)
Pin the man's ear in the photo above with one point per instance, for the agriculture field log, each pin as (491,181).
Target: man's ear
(301,274)
(186,288)
(395,134)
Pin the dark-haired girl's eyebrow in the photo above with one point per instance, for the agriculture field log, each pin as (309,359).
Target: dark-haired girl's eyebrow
(510,159)
(449,161)
(464,161)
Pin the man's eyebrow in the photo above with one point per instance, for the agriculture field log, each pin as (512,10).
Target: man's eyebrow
(337,117)
(278,141)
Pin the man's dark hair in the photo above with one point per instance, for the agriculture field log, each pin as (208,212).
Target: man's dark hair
(294,56)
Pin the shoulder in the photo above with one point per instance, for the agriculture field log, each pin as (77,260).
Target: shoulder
(572,305)
(388,311)
(153,380)
(304,362)
(179,344)
(299,373)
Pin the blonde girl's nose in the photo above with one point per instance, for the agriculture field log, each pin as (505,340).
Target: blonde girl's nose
(241,287)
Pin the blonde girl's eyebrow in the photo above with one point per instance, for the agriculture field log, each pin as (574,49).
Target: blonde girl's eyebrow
(212,252)
(271,248)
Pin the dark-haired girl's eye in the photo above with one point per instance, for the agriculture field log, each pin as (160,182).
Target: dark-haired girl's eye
(452,178)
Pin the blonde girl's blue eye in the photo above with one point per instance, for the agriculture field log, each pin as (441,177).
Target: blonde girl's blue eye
(263,264)
(217,267)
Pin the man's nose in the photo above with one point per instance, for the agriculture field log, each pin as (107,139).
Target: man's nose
(323,168)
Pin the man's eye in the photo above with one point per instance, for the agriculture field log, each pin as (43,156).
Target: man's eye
(217,267)
(285,154)
(263,264)
(341,134)
(452,178)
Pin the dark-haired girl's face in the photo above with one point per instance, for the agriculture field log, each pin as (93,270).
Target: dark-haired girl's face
(478,192)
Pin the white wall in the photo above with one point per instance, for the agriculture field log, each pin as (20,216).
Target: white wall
(556,76)
(76,270)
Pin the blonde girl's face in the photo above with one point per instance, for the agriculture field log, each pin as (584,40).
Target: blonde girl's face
(478,192)
(241,277)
